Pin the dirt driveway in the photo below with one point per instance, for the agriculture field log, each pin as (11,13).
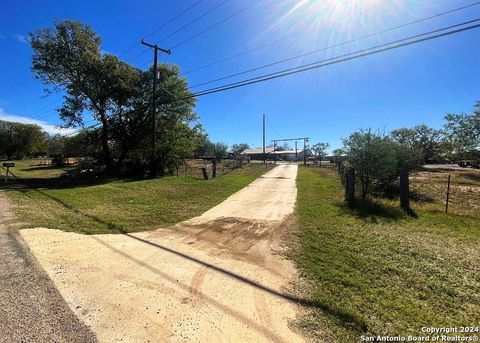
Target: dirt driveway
(219,277)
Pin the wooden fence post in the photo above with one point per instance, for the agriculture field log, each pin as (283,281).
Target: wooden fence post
(214,168)
(404,190)
(350,187)
(205,174)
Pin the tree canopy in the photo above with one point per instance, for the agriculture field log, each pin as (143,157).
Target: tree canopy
(21,140)
(117,96)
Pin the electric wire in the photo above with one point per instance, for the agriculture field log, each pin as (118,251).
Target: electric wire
(335,45)
(182,28)
(162,26)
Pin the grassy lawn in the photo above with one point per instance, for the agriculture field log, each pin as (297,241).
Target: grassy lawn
(379,271)
(109,206)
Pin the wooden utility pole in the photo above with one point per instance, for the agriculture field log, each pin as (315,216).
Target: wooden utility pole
(156,49)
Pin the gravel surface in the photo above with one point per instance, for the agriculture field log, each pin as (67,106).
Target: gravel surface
(220,277)
(31,308)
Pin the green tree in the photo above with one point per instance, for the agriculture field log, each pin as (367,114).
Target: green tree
(320,150)
(21,140)
(373,156)
(67,58)
(421,139)
(463,133)
(220,150)
(238,148)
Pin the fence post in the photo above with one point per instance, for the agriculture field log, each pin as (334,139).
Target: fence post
(205,174)
(350,187)
(214,168)
(448,194)
(404,190)
(6,175)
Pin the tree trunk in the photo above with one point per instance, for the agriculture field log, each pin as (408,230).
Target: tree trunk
(107,158)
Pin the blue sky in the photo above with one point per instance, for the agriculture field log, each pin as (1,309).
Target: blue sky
(400,88)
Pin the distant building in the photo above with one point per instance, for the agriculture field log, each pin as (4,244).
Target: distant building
(255,154)
(279,155)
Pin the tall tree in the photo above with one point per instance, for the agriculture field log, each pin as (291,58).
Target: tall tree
(67,58)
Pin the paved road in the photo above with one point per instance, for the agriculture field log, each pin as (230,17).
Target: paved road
(31,309)
(446,166)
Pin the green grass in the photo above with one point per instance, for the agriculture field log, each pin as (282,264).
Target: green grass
(376,270)
(112,206)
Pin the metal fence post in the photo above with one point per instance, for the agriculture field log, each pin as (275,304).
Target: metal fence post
(448,194)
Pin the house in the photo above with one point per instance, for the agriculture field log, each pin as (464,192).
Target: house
(293,155)
(256,154)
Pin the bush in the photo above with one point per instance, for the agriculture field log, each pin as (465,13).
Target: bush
(378,161)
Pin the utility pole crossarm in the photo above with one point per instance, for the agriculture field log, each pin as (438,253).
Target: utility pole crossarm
(156,47)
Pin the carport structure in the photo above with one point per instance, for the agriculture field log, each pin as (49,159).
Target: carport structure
(305,141)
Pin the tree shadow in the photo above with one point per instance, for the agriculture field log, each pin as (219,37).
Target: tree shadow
(472,176)
(347,318)
(46,167)
(65,181)
(421,197)
(372,210)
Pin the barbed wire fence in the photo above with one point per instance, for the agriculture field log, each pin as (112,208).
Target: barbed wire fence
(453,193)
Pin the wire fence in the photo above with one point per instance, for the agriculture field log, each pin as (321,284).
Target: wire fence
(456,192)
(199,168)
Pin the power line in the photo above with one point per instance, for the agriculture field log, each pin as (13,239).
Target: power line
(345,57)
(213,26)
(71,134)
(126,51)
(274,128)
(245,52)
(335,45)
(162,26)
(38,115)
(342,58)
(339,59)
(183,27)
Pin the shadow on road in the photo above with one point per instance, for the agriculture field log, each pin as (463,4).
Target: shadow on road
(345,317)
